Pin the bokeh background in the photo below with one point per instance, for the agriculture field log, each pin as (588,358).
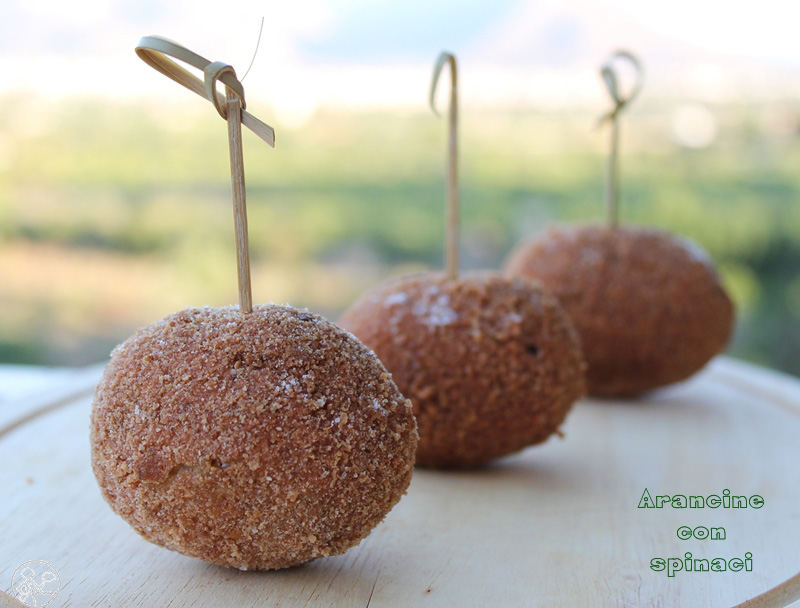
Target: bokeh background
(114,182)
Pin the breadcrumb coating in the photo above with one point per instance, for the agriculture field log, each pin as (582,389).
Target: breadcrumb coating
(649,307)
(254,441)
(491,364)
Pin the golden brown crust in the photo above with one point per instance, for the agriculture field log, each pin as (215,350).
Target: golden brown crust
(253,441)
(650,308)
(491,364)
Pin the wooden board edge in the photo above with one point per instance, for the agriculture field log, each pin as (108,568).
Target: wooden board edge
(6,601)
(22,411)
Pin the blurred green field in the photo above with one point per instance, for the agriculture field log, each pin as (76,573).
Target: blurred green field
(114,214)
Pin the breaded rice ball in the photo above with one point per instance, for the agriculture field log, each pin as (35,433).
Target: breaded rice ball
(491,364)
(255,441)
(649,307)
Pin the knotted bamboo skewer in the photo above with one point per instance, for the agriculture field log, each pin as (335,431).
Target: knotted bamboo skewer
(451,227)
(609,76)
(155,50)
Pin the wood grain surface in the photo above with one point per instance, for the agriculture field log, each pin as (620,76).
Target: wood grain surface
(556,525)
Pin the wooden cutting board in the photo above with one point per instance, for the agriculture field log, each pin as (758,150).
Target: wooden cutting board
(556,525)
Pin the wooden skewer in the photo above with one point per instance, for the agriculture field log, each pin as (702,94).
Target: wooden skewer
(612,175)
(609,75)
(234,111)
(451,227)
(154,50)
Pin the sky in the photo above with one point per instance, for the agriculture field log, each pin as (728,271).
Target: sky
(367,53)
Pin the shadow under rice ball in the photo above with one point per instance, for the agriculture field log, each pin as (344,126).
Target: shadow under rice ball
(649,307)
(256,441)
(491,364)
